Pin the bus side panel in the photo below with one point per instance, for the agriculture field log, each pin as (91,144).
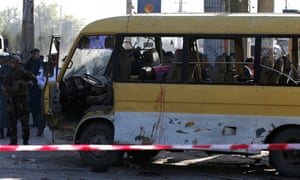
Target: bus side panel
(200,114)
(207,99)
(176,128)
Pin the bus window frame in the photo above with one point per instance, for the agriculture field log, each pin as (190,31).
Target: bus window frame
(187,39)
(118,46)
(257,54)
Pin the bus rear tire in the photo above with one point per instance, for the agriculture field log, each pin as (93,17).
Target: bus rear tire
(287,162)
(98,133)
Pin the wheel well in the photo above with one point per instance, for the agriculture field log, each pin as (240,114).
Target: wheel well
(277,130)
(90,122)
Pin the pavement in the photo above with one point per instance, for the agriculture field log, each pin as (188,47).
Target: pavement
(33,139)
(68,165)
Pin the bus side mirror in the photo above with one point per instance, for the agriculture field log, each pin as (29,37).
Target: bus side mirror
(63,60)
(48,69)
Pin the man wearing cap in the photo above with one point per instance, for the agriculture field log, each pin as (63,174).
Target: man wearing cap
(16,87)
(35,93)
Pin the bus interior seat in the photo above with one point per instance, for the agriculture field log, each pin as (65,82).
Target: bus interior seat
(147,73)
(276,74)
(247,72)
(287,65)
(168,57)
(194,67)
(151,57)
(278,65)
(109,42)
(175,69)
(287,68)
(218,71)
(265,70)
(174,72)
(230,69)
(125,59)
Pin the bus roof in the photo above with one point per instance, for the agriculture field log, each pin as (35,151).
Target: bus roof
(281,24)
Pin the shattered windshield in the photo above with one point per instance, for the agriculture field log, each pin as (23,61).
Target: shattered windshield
(91,56)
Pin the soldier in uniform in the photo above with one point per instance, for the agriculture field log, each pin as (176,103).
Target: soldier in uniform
(4,71)
(16,87)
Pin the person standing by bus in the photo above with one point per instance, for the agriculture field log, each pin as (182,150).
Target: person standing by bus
(16,87)
(4,71)
(35,93)
(47,73)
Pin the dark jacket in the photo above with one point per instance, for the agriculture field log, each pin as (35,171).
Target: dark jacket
(33,65)
(18,81)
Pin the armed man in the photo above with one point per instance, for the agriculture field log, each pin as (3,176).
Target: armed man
(16,87)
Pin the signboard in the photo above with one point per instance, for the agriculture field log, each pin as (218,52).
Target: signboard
(149,6)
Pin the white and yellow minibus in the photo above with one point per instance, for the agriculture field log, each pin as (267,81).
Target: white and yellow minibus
(180,79)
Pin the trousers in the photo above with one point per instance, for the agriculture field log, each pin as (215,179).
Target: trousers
(18,109)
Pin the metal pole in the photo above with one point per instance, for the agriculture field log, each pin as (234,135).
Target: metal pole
(180,6)
(27,28)
(129,7)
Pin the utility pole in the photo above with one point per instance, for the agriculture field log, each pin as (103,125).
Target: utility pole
(180,3)
(129,7)
(27,28)
(180,6)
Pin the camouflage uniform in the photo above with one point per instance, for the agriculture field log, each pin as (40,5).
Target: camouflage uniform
(16,86)
(4,71)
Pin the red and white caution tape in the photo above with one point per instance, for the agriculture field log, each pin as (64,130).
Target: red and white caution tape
(94,147)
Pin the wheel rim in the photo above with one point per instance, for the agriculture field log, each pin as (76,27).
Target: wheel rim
(291,157)
(99,139)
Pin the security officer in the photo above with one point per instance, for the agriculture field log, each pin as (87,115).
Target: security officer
(16,86)
(4,71)
(35,93)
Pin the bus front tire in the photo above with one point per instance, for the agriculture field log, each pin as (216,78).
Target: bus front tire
(98,133)
(287,162)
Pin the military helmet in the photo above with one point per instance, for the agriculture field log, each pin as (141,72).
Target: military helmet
(16,59)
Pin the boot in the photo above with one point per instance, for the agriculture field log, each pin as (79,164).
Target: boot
(39,133)
(13,142)
(1,133)
(25,141)
(7,133)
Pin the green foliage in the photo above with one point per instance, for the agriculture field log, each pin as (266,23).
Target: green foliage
(10,25)
(47,21)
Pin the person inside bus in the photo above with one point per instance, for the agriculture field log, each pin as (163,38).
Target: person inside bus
(136,64)
(249,68)
(266,70)
(204,67)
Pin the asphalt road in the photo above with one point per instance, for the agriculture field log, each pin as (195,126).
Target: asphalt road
(167,165)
